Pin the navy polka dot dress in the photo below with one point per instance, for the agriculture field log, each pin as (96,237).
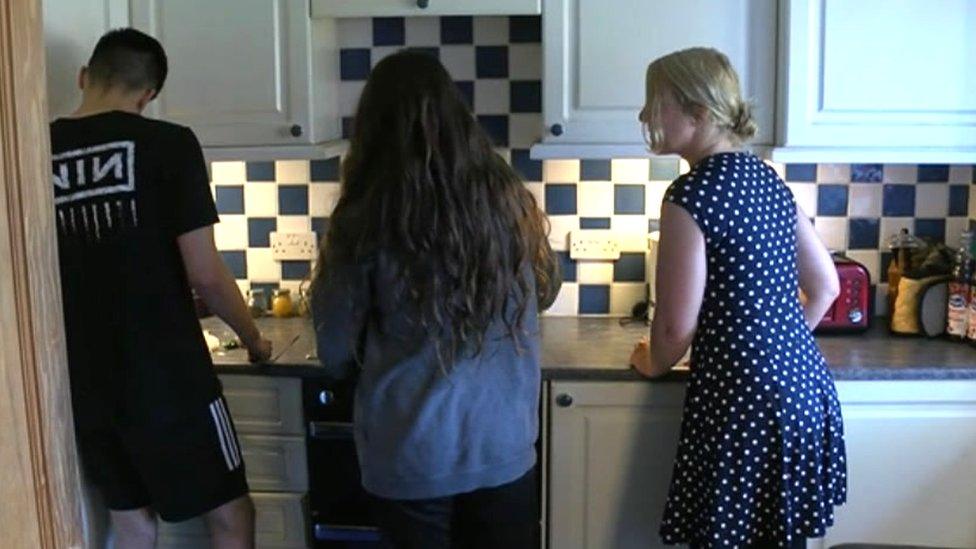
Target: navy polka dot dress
(761,454)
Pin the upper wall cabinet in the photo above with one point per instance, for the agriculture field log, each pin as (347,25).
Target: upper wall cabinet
(596,54)
(407,8)
(71,29)
(245,73)
(878,80)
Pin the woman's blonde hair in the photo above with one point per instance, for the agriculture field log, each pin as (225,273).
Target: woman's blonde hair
(699,78)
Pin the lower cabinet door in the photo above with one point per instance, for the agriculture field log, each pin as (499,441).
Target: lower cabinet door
(279,523)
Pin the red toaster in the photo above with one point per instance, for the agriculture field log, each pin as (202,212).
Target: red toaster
(851,311)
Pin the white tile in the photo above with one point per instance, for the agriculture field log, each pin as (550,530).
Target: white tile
(378,53)
(870,259)
(932,200)
(954,227)
(972,202)
(261,267)
(505,153)
(491,96)
(231,232)
(567,301)
(355,32)
(960,174)
(654,194)
(538,190)
(805,195)
(491,31)
(865,200)
(261,199)
(349,92)
(459,61)
(525,61)
(778,167)
(562,171)
(524,130)
(322,198)
(291,171)
(228,173)
(834,173)
(294,286)
(294,224)
(631,232)
(213,191)
(630,170)
(422,31)
(559,228)
(594,198)
(833,232)
(594,272)
(244,286)
(900,173)
(624,295)
(881,302)
(891,226)
(683,166)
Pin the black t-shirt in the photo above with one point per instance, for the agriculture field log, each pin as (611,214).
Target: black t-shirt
(125,188)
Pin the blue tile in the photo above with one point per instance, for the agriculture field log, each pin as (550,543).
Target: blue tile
(594,299)
(958,200)
(466,88)
(594,170)
(630,267)
(933,229)
(886,258)
(320,226)
(388,31)
(933,173)
(567,266)
(628,199)
(530,170)
(295,270)
(491,61)
(867,173)
(801,172)
(524,29)
(899,200)
(496,126)
(863,234)
(561,199)
(594,223)
(230,199)
(260,171)
(525,96)
(347,125)
(832,200)
(325,170)
(259,231)
(653,225)
(236,261)
(354,63)
(457,30)
(292,199)
(432,51)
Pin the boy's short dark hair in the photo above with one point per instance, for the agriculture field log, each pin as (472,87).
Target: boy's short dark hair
(129,58)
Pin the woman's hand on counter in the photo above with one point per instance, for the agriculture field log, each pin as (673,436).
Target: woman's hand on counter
(640,358)
(259,350)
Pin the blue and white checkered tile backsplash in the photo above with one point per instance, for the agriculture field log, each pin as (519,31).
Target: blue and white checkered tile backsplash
(496,62)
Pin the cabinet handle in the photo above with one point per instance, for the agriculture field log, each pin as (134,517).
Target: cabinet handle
(422,4)
(296,130)
(326,398)
(564,401)
(556,129)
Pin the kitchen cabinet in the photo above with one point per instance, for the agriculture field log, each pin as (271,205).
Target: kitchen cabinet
(411,8)
(611,446)
(245,73)
(596,54)
(877,81)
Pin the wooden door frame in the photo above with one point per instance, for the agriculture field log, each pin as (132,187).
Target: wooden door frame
(40,487)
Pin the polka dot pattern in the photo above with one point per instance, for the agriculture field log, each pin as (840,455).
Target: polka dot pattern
(761,454)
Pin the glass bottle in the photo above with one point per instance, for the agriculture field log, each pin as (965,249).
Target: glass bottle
(957,315)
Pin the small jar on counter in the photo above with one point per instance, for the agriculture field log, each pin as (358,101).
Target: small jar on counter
(281,305)
(257,302)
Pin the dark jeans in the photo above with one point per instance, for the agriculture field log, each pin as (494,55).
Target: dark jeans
(504,517)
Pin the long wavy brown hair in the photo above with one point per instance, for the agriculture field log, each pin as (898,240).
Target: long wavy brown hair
(422,183)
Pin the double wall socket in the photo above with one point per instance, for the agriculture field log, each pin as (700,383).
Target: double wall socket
(293,246)
(594,244)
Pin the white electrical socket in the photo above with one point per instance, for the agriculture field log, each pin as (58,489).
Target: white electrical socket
(594,244)
(293,246)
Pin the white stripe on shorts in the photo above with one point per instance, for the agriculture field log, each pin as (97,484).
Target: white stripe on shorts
(235,450)
(221,434)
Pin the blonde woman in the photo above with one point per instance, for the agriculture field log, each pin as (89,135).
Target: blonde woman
(760,461)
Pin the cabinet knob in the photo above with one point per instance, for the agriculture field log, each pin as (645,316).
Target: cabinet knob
(564,401)
(326,398)
(422,4)
(556,129)
(295,130)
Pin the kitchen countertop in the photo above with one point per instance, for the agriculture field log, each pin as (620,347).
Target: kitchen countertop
(598,348)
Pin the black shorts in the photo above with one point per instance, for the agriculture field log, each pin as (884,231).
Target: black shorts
(182,470)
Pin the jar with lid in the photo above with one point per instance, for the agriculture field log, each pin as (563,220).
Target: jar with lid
(281,305)
(257,302)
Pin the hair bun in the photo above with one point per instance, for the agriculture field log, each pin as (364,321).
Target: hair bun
(743,125)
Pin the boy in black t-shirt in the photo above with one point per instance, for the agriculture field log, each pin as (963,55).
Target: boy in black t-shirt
(135,224)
